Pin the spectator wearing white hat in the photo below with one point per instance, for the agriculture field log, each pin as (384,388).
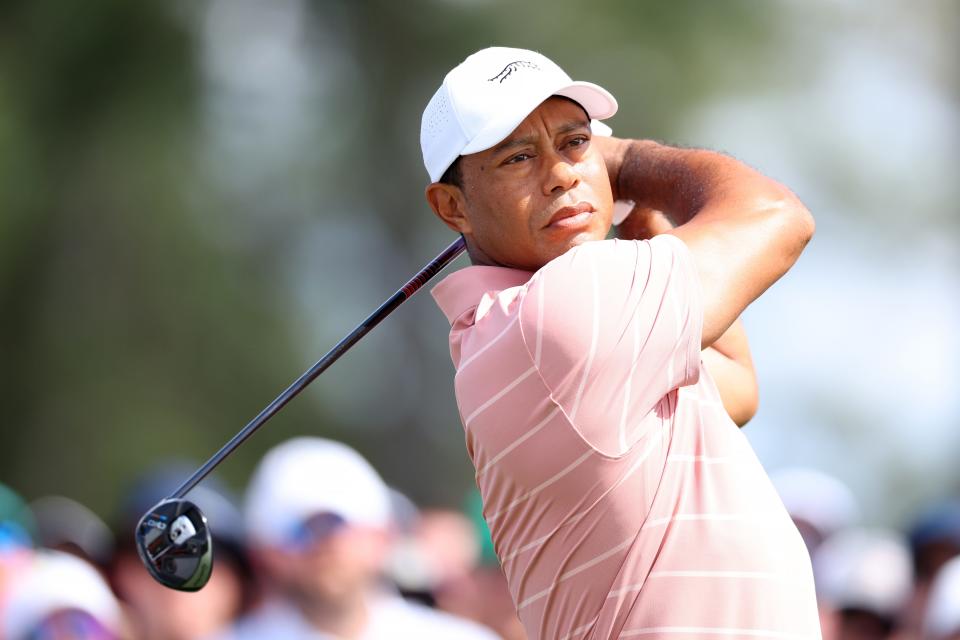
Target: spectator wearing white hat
(159,613)
(318,520)
(819,504)
(934,537)
(61,596)
(863,579)
(942,619)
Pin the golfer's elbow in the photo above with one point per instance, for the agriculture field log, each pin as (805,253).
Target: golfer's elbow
(790,223)
(799,220)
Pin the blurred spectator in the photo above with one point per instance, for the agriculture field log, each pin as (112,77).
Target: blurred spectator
(406,565)
(481,532)
(819,504)
(15,543)
(404,513)
(159,613)
(450,538)
(942,619)
(440,547)
(61,597)
(482,595)
(437,561)
(863,579)
(16,521)
(319,525)
(481,592)
(67,525)
(934,540)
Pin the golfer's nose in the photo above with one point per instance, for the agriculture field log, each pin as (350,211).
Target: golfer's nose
(561,177)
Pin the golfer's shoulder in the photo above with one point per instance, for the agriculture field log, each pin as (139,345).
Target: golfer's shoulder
(602,274)
(596,291)
(612,258)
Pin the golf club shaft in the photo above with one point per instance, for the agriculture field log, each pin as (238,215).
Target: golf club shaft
(406,291)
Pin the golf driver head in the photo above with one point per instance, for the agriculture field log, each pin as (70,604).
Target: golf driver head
(174,543)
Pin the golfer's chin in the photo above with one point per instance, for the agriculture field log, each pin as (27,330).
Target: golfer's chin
(559,246)
(543,247)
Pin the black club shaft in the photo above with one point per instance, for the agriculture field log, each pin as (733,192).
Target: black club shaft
(405,292)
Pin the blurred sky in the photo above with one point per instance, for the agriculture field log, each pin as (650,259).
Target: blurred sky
(298,178)
(857,348)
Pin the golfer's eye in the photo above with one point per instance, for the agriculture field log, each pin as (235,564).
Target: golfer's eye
(578,141)
(520,157)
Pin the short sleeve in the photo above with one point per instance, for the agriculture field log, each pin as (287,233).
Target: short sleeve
(613,327)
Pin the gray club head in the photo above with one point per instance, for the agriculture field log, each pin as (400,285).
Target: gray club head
(174,543)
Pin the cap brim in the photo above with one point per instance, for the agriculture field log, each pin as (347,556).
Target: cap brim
(596,101)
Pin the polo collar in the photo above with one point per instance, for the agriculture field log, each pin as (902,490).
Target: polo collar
(462,290)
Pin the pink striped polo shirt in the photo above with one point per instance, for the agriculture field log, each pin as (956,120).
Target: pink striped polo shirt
(622,500)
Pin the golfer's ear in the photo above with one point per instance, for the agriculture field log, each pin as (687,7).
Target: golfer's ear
(447,202)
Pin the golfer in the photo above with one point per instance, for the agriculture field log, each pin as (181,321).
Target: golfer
(600,382)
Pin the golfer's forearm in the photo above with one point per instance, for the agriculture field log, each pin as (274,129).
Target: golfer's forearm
(687,182)
(744,230)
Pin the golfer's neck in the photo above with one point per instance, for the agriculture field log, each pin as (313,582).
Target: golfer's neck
(477,255)
(480,259)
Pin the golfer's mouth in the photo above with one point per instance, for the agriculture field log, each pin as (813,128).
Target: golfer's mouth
(578,215)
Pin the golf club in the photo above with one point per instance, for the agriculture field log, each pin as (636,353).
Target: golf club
(173,538)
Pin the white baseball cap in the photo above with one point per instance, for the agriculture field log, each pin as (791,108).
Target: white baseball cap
(864,568)
(818,498)
(304,477)
(52,582)
(487,95)
(942,617)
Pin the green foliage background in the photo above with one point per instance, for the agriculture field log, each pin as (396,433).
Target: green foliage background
(178,241)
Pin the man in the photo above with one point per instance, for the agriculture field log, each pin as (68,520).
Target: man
(863,578)
(159,613)
(56,595)
(622,499)
(942,617)
(318,518)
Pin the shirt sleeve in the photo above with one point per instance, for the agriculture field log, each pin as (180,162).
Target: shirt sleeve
(613,327)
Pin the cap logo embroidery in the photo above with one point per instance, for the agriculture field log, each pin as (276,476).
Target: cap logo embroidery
(510,68)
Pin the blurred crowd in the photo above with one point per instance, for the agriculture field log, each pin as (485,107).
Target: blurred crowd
(321,547)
